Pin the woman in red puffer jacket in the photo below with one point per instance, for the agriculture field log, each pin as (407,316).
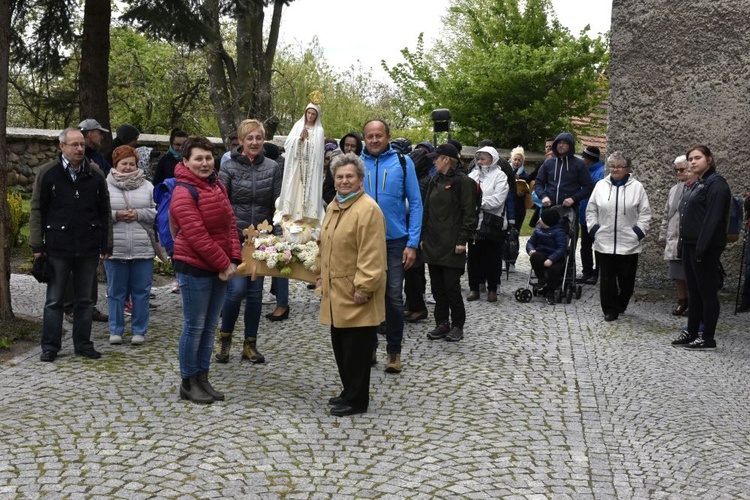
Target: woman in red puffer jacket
(206,254)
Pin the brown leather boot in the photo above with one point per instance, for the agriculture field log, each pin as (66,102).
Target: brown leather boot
(394,363)
(223,347)
(250,351)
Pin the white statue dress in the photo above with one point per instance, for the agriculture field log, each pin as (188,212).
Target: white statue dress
(300,204)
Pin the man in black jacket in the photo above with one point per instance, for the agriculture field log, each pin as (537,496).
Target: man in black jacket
(70,226)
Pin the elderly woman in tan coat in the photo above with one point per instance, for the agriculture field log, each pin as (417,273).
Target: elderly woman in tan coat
(352,265)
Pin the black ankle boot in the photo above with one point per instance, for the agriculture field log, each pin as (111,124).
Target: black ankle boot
(191,389)
(206,386)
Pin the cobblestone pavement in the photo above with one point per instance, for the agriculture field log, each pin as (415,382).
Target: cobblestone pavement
(536,402)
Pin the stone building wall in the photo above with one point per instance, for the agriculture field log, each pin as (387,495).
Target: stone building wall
(679,76)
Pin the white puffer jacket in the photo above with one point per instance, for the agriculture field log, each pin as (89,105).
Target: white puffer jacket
(618,217)
(131,241)
(494,184)
(670,224)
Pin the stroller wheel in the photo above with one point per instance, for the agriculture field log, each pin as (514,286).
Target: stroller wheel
(535,291)
(569,295)
(558,295)
(523,295)
(578,291)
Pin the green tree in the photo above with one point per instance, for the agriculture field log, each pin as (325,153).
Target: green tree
(350,97)
(507,70)
(240,85)
(6,310)
(157,86)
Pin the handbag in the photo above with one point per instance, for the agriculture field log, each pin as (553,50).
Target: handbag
(510,245)
(491,228)
(41,269)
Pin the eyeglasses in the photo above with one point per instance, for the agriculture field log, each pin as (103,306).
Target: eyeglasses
(680,170)
(618,167)
(74,144)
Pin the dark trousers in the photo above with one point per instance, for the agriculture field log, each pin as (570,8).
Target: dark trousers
(414,287)
(70,296)
(352,348)
(394,299)
(484,263)
(79,271)
(703,289)
(616,281)
(587,254)
(550,274)
(446,290)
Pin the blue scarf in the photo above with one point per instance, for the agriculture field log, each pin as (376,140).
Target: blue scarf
(344,199)
(176,154)
(621,182)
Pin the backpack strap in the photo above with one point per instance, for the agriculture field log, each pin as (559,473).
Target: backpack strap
(402,161)
(190,188)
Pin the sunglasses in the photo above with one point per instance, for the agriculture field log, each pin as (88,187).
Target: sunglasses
(680,170)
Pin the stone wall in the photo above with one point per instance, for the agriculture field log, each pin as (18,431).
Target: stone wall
(29,149)
(680,75)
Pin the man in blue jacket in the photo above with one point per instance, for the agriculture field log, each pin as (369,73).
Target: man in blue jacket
(390,179)
(564,180)
(591,157)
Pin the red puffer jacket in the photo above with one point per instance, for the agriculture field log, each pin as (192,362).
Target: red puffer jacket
(206,230)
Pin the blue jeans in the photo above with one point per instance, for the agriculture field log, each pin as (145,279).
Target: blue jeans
(394,300)
(243,287)
(202,299)
(128,277)
(83,271)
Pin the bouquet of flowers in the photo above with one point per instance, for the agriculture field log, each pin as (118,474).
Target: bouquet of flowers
(279,253)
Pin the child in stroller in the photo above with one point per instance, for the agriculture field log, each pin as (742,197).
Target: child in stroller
(546,248)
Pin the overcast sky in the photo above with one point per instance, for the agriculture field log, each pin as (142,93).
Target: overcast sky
(369,31)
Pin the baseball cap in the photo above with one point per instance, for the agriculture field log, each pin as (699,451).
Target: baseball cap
(444,150)
(91,124)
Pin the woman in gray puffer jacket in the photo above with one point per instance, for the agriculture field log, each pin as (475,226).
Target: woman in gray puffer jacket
(131,265)
(253,183)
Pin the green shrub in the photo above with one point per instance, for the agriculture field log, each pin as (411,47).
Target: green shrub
(19,218)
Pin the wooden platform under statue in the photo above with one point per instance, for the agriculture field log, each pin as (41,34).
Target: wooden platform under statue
(253,267)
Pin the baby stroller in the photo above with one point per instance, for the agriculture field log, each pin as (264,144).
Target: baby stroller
(567,288)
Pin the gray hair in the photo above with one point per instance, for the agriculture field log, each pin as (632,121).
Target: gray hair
(682,159)
(619,158)
(63,137)
(348,159)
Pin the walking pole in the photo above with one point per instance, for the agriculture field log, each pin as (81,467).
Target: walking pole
(742,272)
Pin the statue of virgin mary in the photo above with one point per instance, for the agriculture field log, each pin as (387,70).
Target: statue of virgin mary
(301,198)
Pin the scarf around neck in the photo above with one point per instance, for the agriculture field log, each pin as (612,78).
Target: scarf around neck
(126,181)
(344,199)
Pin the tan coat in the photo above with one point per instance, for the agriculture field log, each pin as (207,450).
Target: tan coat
(352,257)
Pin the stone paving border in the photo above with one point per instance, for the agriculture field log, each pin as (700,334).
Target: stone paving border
(536,402)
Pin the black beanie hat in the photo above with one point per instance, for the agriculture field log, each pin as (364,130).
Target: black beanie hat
(127,133)
(551,217)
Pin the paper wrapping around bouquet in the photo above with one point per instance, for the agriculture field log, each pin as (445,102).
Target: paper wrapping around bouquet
(254,268)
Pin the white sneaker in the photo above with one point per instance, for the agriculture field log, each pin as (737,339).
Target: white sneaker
(138,340)
(115,339)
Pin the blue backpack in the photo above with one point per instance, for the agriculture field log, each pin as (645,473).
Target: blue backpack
(162,198)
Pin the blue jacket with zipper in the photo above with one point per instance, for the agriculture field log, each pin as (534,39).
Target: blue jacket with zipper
(399,198)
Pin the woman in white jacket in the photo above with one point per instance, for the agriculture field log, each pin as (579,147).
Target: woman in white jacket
(131,265)
(617,215)
(484,252)
(669,235)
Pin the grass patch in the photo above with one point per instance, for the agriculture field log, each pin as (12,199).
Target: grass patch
(18,335)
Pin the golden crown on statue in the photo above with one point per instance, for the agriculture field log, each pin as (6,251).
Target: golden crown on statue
(316,97)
